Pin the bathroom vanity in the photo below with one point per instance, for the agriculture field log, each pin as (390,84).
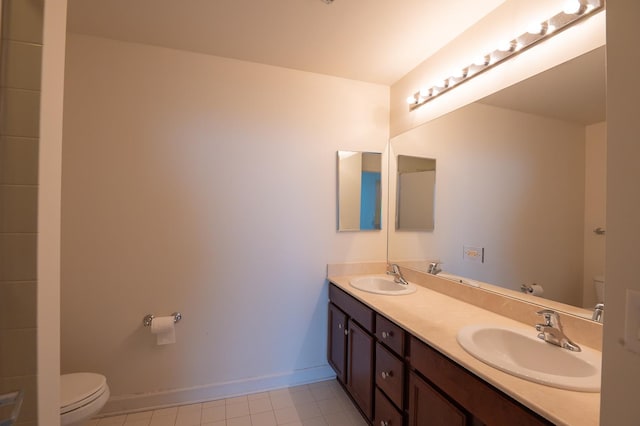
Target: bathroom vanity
(398,358)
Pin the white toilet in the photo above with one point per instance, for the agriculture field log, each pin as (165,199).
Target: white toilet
(82,396)
(598,283)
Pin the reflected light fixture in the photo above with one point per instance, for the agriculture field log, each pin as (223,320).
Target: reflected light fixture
(572,12)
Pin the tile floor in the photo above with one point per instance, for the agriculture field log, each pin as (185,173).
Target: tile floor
(316,404)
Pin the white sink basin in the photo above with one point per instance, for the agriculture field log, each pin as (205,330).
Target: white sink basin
(521,353)
(382,284)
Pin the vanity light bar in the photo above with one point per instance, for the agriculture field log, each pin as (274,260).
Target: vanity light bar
(574,11)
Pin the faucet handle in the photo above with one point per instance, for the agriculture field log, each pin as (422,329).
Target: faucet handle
(434,267)
(549,317)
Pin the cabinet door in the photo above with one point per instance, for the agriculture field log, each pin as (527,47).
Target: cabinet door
(360,349)
(337,342)
(427,407)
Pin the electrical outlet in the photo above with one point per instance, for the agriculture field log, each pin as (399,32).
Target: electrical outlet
(632,322)
(473,254)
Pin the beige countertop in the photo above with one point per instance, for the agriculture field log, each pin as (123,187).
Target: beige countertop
(436,318)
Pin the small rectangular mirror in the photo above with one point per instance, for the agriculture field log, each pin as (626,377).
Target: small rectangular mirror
(359,191)
(415,194)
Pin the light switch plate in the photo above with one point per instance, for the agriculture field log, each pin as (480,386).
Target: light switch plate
(632,322)
(473,254)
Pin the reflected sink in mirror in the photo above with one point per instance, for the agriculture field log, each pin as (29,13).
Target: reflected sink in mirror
(522,354)
(382,284)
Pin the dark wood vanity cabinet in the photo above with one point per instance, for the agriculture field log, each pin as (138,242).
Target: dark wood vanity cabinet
(359,367)
(337,347)
(428,407)
(462,395)
(397,380)
(351,347)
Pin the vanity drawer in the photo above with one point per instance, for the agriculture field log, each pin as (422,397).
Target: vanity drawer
(390,374)
(386,413)
(390,334)
(353,308)
(488,404)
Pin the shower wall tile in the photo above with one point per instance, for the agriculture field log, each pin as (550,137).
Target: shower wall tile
(20,75)
(18,160)
(21,311)
(18,352)
(18,257)
(23,65)
(29,385)
(20,112)
(18,208)
(22,20)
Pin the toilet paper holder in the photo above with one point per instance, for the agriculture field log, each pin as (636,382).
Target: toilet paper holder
(146,321)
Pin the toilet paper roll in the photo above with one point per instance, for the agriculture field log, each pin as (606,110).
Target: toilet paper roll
(535,289)
(164,329)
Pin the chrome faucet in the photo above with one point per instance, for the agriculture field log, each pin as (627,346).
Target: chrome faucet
(598,312)
(551,331)
(395,270)
(434,269)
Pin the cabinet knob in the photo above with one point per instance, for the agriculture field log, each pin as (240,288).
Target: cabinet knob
(387,334)
(386,374)
(339,325)
(346,332)
(384,423)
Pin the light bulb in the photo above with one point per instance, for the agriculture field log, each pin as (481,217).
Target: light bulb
(424,92)
(535,28)
(550,28)
(482,61)
(572,7)
(506,46)
(434,91)
(411,99)
(458,73)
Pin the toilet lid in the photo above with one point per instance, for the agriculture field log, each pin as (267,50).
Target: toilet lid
(78,389)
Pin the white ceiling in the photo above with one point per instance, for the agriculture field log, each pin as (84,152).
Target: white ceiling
(574,91)
(377,41)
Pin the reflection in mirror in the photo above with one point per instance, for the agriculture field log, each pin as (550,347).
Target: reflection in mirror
(359,191)
(521,174)
(415,193)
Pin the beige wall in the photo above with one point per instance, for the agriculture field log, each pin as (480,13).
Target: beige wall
(621,368)
(506,21)
(208,186)
(19,138)
(595,200)
(498,174)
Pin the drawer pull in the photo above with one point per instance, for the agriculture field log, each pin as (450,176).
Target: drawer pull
(346,331)
(387,334)
(339,325)
(386,374)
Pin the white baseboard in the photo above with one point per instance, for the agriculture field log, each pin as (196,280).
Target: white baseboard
(121,404)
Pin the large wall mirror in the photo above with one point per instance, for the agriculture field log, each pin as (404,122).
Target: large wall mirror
(359,191)
(521,174)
